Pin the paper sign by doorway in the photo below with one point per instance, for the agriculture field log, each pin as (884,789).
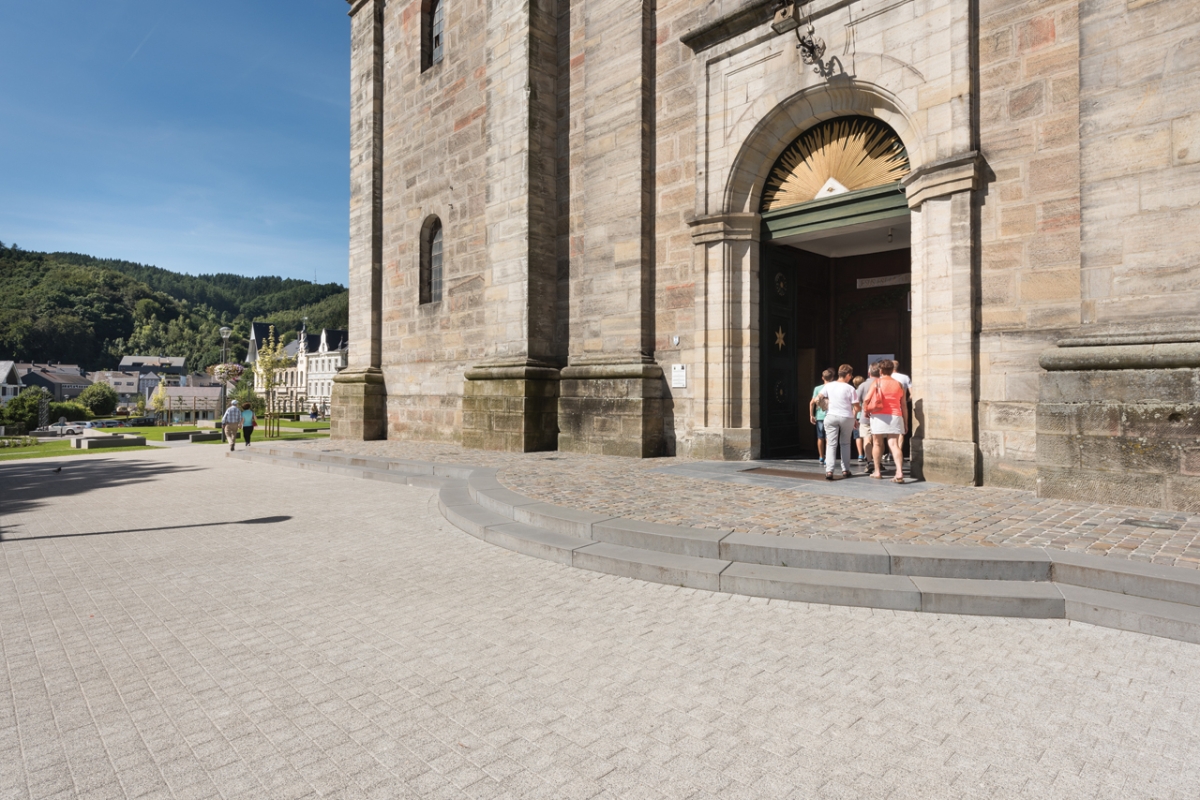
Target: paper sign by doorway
(678,376)
(873,357)
(884,280)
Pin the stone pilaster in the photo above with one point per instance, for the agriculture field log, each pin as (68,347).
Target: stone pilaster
(611,409)
(512,408)
(358,408)
(359,395)
(945,327)
(610,366)
(727,363)
(510,399)
(1118,421)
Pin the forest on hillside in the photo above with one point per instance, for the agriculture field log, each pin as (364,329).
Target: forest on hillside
(90,311)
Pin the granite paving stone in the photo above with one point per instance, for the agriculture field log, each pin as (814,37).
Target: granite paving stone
(182,625)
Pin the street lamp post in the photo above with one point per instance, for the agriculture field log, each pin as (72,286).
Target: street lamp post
(224,331)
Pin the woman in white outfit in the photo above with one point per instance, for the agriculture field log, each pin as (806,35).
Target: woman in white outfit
(841,410)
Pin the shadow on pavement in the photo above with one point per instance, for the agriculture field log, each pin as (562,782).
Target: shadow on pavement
(24,486)
(257,521)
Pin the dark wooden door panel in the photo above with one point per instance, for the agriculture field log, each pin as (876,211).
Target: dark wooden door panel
(780,373)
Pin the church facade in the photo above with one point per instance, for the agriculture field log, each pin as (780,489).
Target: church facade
(643,228)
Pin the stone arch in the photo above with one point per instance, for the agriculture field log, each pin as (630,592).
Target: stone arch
(778,129)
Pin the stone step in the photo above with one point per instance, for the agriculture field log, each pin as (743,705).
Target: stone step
(651,565)
(366,472)
(1016,582)
(1127,613)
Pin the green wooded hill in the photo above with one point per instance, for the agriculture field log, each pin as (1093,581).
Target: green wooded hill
(91,311)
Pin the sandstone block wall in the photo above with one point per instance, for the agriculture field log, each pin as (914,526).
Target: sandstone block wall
(435,163)
(1029,221)
(1125,437)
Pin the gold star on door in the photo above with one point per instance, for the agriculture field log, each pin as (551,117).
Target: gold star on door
(779,338)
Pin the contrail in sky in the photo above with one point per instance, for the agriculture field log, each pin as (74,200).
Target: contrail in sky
(139,47)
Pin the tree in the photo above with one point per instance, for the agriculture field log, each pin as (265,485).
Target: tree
(99,398)
(271,360)
(158,400)
(141,405)
(23,409)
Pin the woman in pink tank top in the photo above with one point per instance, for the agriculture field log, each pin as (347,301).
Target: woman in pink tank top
(889,422)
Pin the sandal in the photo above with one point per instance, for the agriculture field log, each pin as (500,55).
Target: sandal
(897,480)
(876,477)
(845,473)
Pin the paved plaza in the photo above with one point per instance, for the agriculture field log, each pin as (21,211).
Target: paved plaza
(677,491)
(176,624)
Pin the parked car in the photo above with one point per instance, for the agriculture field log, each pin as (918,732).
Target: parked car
(66,428)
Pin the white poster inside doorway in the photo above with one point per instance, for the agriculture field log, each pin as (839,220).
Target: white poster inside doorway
(873,357)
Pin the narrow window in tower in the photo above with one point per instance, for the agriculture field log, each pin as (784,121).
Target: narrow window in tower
(435,264)
(437,30)
(431,261)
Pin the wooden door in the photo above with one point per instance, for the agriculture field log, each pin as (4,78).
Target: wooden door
(781,401)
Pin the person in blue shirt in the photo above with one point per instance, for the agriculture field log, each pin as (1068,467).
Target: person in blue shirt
(249,423)
(816,414)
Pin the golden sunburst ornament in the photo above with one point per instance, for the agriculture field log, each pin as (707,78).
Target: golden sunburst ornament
(779,338)
(833,157)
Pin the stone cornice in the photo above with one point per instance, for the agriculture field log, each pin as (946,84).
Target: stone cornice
(734,227)
(356,6)
(1173,355)
(961,173)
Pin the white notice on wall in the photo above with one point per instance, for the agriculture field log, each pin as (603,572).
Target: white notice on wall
(873,357)
(678,376)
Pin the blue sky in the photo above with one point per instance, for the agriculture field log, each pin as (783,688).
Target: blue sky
(206,136)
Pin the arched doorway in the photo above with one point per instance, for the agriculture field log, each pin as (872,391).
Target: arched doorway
(835,268)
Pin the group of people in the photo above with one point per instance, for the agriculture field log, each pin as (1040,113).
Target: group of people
(872,412)
(236,418)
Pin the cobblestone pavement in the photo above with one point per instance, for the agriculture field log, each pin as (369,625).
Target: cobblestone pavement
(181,625)
(938,514)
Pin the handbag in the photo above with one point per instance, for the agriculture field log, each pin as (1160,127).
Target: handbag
(874,403)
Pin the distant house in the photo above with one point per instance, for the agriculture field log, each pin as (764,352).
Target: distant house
(160,364)
(125,384)
(10,381)
(308,381)
(259,332)
(63,381)
(322,363)
(187,405)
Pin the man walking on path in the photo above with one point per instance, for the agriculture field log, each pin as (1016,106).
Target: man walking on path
(232,423)
(842,406)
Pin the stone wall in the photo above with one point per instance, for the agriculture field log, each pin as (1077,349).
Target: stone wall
(1140,160)
(436,163)
(1029,221)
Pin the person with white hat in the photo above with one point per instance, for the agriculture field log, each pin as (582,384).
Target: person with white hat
(232,422)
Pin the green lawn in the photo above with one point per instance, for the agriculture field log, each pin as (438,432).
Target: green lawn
(58,448)
(322,424)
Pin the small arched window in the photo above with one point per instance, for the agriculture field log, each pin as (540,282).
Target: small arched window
(431,261)
(434,38)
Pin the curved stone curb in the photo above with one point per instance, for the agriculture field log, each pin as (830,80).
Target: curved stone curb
(1016,582)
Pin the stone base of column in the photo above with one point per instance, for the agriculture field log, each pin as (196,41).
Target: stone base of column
(1120,424)
(513,408)
(358,408)
(945,461)
(611,409)
(726,444)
